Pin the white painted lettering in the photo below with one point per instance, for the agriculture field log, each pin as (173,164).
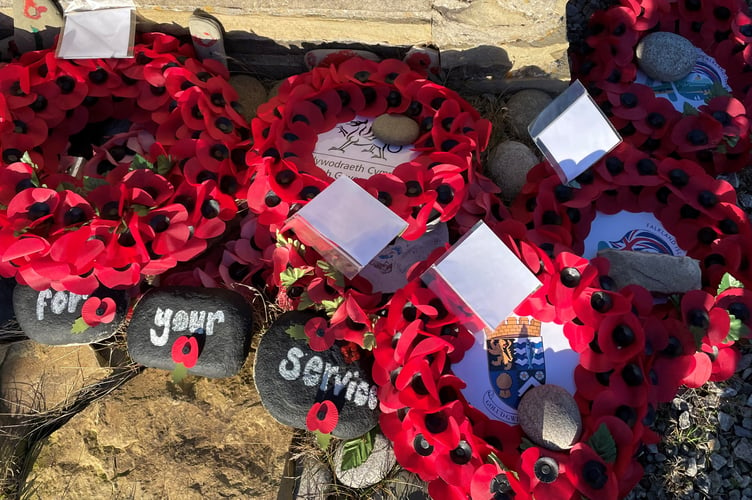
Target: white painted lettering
(59,301)
(161,318)
(373,397)
(211,318)
(41,303)
(312,371)
(73,300)
(361,393)
(180,321)
(197,321)
(289,368)
(350,390)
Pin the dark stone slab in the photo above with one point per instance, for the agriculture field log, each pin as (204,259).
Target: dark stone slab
(221,320)
(48,316)
(290,378)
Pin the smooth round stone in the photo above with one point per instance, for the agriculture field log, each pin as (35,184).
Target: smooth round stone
(48,316)
(403,486)
(665,56)
(251,94)
(550,417)
(290,377)
(221,319)
(397,130)
(523,107)
(508,165)
(373,470)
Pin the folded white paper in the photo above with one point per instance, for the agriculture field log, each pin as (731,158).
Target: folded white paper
(573,133)
(480,280)
(346,225)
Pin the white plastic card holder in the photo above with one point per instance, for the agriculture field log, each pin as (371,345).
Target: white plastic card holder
(346,225)
(107,32)
(573,133)
(480,280)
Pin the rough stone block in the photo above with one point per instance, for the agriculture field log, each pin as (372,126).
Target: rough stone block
(658,273)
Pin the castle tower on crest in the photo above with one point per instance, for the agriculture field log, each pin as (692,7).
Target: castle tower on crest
(515,327)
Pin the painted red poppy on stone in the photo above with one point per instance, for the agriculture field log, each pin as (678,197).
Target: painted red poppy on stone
(322,417)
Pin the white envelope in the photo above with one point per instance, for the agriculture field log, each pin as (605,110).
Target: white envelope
(98,34)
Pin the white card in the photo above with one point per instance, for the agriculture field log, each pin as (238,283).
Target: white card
(351,149)
(638,232)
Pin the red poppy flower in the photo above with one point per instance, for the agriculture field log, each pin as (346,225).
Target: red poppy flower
(490,481)
(320,336)
(96,311)
(544,474)
(322,417)
(590,474)
(696,132)
(185,350)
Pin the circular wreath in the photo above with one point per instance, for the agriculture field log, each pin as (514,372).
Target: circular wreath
(163,181)
(716,135)
(698,210)
(633,356)
(432,186)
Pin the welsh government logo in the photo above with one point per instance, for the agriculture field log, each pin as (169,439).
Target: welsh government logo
(639,240)
(515,362)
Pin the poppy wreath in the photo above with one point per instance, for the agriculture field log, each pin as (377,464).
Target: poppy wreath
(633,356)
(432,186)
(716,135)
(697,209)
(442,183)
(151,192)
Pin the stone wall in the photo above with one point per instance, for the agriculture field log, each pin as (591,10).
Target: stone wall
(529,32)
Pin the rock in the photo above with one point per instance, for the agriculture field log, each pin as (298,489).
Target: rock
(476,63)
(523,107)
(48,316)
(725,421)
(290,378)
(35,378)
(251,94)
(6,299)
(374,469)
(665,56)
(658,273)
(397,130)
(743,450)
(220,319)
(717,461)
(315,480)
(550,417)
(508,165)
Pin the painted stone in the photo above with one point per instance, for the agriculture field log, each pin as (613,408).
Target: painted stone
(291,377)
(220,319)
(375,468)
(48,316)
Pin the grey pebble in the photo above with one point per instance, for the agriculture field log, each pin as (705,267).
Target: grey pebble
(747,423)
(735,495)
(742,432)
(691,467)
(717,461)
(665,56)
(725,421)
(684,420)
(743,450)
(729,392)
(524,107)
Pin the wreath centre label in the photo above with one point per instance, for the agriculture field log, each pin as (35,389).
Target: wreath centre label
(641,232)
(521,353)
(351,149)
